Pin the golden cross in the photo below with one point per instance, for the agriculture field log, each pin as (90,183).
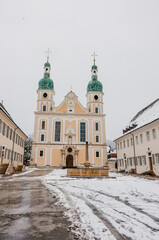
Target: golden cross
(94,57)
(48,51)
(71,88)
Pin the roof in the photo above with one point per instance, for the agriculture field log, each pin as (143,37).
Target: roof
(5,111)
(9,116)
(145,116)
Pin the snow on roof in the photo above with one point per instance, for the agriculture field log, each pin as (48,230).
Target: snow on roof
(5,111)
(145,116)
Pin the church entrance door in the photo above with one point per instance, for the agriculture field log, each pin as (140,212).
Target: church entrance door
(69,161)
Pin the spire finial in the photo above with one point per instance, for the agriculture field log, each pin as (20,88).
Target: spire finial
(48,51)
(71,88)
(94,57)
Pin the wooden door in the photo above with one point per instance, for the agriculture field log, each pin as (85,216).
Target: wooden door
(69,161)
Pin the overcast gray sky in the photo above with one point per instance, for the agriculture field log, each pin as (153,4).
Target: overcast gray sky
(123,33)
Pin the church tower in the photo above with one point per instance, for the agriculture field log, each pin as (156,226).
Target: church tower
(95,93)
(45,91)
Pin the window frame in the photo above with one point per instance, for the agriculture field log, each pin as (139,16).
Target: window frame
(97,139)
(154,133)
(44,107)
(57,135)
(42,137)
(43,126)
(41,150)
(96,110)
(97,153)
(148,135)
(82,132)
(97,126)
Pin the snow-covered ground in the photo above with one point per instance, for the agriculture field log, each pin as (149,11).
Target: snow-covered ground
(124,207)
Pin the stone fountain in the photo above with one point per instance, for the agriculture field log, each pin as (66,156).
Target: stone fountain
(87,170)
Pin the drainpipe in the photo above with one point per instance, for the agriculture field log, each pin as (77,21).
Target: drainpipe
(134,150)
(13,144)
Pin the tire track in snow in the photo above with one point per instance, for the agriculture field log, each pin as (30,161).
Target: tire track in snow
(120,200)
(96,212)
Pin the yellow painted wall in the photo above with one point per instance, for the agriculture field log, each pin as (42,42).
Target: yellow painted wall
(79,109)
(81,156)
(56,156)
(97,161)
(62,108)
(40,160)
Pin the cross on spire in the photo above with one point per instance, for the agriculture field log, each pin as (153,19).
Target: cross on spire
(48,51)
(94,57)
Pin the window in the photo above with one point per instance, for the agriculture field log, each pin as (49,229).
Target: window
(43,124)
(97,126)
(157,158)
(120,145)
(136,139)
(4,126)
(124,144)
(42,137)
(10,134)
(7,132)
(128,142)
(57,131)
(154,133)
(0,125)
(41,153)
(130,161)
(44,108)
(96,110)
(141,138)
(143,160)
(131,141)
(148,135)
(82,132)
(97,138)
(139,160)
(97,154)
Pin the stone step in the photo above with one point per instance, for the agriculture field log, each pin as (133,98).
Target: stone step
(10,169)
(3,168)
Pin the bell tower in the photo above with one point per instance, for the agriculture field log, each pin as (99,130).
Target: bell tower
(45,102)
(95,92)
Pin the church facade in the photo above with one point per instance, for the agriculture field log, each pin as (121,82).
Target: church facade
(61,132)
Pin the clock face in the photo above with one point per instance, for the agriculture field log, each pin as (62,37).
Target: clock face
(70,103)
(45,95)
(96,97)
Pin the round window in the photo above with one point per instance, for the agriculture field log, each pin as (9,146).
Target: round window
(69,149)
(96,97)
(45,95)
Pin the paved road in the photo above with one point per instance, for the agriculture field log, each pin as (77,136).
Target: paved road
(28,210)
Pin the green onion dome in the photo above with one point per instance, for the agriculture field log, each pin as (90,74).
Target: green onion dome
(46,82)
(94,85)
(94,67)
(47,64)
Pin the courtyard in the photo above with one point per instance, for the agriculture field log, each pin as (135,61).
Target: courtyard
(46,204)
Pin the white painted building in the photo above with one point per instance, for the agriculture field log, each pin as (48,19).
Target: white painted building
(138,147)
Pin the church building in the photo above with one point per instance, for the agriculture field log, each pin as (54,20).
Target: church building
(61,132)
